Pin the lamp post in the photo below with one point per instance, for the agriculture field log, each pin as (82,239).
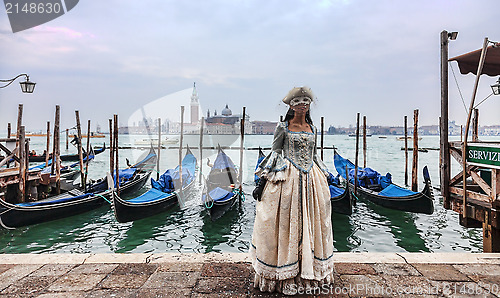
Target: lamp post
(27,86)
(496,87)
(444,164)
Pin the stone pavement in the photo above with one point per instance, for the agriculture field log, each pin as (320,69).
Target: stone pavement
(216,275)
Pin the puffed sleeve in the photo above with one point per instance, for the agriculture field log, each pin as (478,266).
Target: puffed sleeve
(316,158)
(273,165)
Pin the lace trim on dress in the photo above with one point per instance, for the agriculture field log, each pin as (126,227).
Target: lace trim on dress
(272,167)
(273,272)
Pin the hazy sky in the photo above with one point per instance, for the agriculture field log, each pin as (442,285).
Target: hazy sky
(380,58)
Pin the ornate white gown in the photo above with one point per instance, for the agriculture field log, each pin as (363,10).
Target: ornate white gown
(292,240)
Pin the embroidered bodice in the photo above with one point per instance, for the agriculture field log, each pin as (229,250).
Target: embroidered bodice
(298,147)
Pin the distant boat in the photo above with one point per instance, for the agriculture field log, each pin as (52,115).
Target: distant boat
(382,137)
(92,135)
(409,138)
(353,135)
(154,141)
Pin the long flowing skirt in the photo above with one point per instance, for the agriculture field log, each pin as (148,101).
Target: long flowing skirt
(292,241)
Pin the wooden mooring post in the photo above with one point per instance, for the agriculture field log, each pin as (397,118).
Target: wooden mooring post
(159,150)
(79,146)
(115,142)
(322,135)
(406,151)
(201,148)
(414,171)
(356,158)
(242,141)
(22,163)
(364,141)
(47,145)
(9,129)
(180,147)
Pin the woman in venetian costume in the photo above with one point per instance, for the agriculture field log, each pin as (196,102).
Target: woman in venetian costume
(292,241)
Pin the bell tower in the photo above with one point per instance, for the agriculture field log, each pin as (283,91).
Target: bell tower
(194,106)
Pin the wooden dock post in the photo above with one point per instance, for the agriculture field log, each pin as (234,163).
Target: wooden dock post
(87,156)
(414,172)
(56,159)
(201,147)
(8,130)
(356,159)
(242,139)
(322,132)
(180,146)
(22,163)
(48,145)
(475,126)
(67,139)
(79,146)
(19,123)
(115,141)
(111,149)
(159,149)
(406,151)
(364,141)
(445,165)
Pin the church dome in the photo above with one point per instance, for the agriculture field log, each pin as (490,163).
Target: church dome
(226,111)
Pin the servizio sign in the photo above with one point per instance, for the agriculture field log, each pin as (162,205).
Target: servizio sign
(484,155)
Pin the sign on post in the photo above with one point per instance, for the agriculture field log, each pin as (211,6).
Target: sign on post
(484,155)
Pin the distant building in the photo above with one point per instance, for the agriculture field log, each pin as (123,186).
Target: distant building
(263,127)
(226,123)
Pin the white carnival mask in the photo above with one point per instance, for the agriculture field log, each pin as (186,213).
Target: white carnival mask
(300,100)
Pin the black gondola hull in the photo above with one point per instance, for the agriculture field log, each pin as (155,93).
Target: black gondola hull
(218,209)
(342,204)
(126,211)
(14,216)
(421,202)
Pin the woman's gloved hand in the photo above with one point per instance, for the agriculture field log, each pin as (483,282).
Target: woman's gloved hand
(257,192)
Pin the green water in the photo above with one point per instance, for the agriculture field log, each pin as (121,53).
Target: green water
(189,229)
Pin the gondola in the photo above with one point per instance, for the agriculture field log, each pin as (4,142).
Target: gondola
(220,193)
(340,198)
(387,194)
(66,157)
(163,194)
(75,201)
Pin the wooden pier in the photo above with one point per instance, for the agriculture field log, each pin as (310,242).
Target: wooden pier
(477,200)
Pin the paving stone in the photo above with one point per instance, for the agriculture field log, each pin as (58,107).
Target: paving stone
(70,294)
(115,258)
(164,292)
(395,269)
(146,269)
(219,285)
(478,269)
(176,280)
(119,293)
(93,269)
(364,285)
(29,285)
(123,281)
(76,282)
(5,267)
(179,267)
(354,268)
(52,270)
(15,273)
(238,270)
(441,272)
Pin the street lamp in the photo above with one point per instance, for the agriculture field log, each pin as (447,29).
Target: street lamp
(496,87)
(26,86)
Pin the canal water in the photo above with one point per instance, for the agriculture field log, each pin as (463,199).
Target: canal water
(371,228)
